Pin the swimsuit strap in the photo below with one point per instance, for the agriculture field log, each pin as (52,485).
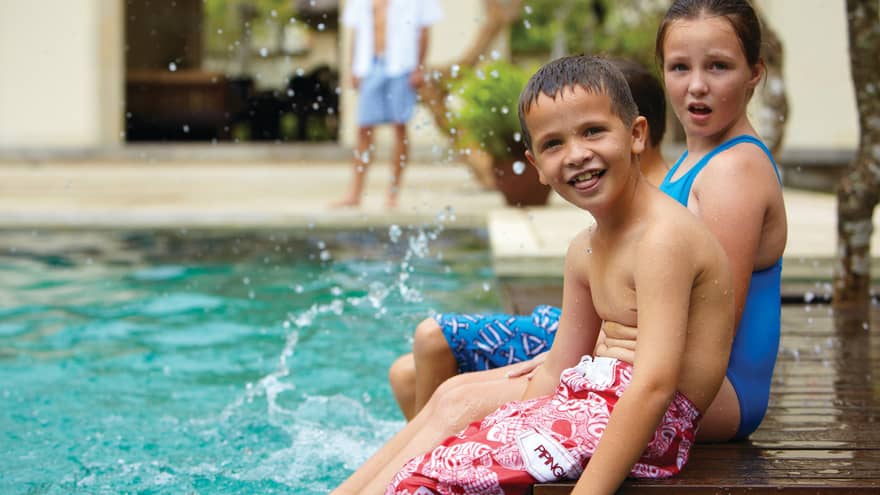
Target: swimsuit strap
(700,165)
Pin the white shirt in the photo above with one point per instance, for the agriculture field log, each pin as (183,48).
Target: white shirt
(405,20)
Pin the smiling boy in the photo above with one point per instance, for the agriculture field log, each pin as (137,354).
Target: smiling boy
(615,400)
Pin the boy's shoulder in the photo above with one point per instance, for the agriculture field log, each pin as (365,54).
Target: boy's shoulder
(673,235)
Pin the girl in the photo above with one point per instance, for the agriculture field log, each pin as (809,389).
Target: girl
(709,51)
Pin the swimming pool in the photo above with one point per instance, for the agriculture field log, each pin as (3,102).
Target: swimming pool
(213,362)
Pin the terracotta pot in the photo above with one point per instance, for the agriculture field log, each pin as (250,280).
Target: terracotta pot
(518,182)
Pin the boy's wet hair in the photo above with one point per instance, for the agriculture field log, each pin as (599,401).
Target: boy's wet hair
(739,13)
(648,94)
(593,74)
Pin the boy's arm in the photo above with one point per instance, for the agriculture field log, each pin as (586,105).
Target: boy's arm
(578,324)
(663,282)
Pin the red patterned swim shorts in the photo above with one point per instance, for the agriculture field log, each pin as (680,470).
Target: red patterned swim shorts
(547,439)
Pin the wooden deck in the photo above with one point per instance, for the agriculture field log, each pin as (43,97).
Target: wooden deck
(822,429)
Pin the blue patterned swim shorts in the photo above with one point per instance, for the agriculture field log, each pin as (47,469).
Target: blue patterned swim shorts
(481,342)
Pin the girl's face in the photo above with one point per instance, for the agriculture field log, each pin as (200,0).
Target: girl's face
(707,78)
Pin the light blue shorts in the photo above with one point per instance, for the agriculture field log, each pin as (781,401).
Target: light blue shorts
(385,99)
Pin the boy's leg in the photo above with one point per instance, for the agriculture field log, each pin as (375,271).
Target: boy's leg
(457,403)
(402,378)
(433,359)
(399,155)
(362,159)
(401,102)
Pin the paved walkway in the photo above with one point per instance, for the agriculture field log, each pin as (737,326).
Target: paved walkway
(241,194)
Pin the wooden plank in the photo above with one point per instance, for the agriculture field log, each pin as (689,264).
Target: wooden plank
(769,487)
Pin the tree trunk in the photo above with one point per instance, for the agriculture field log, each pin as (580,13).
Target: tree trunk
(774,101)
(857,192)
(435,92)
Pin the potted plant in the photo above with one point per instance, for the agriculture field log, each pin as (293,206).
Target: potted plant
(486,119)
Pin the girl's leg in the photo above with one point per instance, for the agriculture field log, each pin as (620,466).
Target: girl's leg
(721,421)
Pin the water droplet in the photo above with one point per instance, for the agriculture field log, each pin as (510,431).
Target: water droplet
(186,128)
(808,297)
(264,52)
(527,24)
(321,26)
(326,256)
(172,67)
(519,167)
(486,286)
(394,233)
(517,137)
(246,280)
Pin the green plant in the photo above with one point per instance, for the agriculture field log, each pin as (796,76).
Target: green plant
(620,28)
(486,108)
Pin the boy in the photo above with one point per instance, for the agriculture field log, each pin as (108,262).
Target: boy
(452,343)
(389,44)
(632,404)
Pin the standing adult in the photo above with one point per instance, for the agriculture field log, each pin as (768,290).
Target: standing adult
(389,44)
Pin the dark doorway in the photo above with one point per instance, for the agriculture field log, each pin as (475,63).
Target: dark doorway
(231,70)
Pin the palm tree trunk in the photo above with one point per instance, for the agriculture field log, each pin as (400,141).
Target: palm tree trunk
(857,192)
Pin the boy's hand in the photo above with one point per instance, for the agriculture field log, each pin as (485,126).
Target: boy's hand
(528,368)
(416,77)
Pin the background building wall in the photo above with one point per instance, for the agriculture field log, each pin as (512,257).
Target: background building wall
(64,66)
(62,76)
(817,74)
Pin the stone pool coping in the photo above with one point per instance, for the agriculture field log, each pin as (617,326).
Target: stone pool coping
(531,242)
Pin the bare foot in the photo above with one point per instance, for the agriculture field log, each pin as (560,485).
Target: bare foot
(346,203)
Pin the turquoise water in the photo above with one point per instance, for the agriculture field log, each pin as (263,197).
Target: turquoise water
(198,362)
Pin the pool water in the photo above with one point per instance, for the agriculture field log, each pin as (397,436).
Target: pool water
(211,362)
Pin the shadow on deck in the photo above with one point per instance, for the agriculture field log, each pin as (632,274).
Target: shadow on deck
(821,432)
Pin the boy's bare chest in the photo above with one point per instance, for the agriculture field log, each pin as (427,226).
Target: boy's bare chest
(612,286)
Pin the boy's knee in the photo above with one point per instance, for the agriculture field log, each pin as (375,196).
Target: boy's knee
(402,372)
(454,406)
(429,339)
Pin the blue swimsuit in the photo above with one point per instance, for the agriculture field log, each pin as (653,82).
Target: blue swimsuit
(757,337)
